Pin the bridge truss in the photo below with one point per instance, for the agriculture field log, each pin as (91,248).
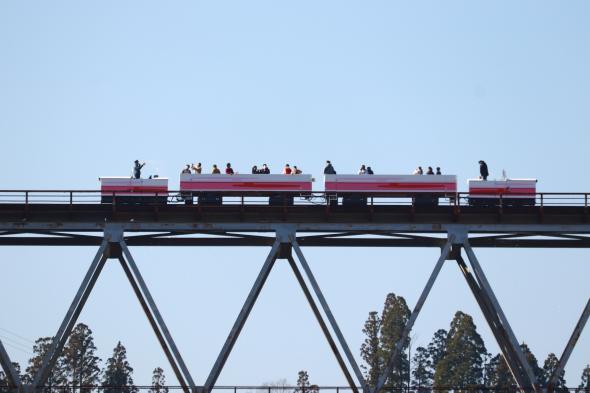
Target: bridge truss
(286,232)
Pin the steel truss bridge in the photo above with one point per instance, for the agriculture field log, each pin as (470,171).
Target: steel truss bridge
(58,218)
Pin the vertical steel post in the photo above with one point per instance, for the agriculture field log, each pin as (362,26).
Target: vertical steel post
(406,332)
(153,314)
(570,346)
(487,290)
(328,312)
(11,374)
(323,325)
(59,340)
(242,317)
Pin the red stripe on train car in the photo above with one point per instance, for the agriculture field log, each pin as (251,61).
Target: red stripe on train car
(390,186)
(245,186)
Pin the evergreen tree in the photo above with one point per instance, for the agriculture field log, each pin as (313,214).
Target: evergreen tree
(585,382)
(158,381)
(437,347)
(370,349)
(394,318)
(57,376)
(533,363)
(79,359)
(303,385)
(549,367)
(462,364)
(118,375)
(5,386)
(422,374)
(499,376)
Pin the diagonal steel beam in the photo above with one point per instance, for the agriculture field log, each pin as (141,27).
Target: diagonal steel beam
(493,322)
(8,367)
(406,332)
(323,325)
(242,317)
(155,317)
(491,297)
(59,340)
(328,312)
(570,346)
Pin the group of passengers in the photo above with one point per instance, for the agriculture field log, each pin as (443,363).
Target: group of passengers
(420,171)
(264,170)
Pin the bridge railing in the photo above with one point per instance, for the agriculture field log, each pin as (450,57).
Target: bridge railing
(81,197)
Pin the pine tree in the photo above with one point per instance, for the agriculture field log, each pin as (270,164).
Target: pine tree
(57,376)
(5,386)
(79,360)
(158,382)
(303,385)
(422,374)
(394,318)
(437,347)
(462,364)
(118,375)
(549,367)
(370,349)
(585,382)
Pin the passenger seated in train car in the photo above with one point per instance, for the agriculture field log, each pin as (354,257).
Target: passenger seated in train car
(483,170)
(418,171)
(287,170)
(197,169)
(430,171)
(215,170)
(265,169)
(186,170)
(438,172)
(228,169)
(255,170)
(137,169)
(329,169)
(363,170)
(370,171)
(296,171)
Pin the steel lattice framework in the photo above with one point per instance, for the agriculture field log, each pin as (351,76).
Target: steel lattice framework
(286,231)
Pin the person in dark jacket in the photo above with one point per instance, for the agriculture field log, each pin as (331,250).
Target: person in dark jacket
(483,170)
(430,171)
(137,169)
(265,170)
(438,172)
(329,169)
(370,171)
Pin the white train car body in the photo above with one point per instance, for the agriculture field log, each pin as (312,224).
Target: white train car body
(508,191)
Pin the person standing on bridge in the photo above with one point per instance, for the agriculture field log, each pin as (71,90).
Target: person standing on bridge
(137,169)
(483,170)
(329,169)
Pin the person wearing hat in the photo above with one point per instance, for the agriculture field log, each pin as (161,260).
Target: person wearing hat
(483,170)
(329,169)
(137,169)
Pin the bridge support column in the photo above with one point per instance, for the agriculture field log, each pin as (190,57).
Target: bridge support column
(518,364)
(113,246)
(391,362)
(569,347)
(155,318)
(6,365)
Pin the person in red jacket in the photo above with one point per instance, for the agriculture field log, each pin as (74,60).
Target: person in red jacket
(228,169)
(287,170)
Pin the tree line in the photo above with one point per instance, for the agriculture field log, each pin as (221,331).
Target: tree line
(80,369)
(455,357)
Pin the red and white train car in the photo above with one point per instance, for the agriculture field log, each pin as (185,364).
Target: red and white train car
(130,190)
(508,192)
(425,189)
(210,188)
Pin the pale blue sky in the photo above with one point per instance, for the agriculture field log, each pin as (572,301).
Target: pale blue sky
(87,87)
